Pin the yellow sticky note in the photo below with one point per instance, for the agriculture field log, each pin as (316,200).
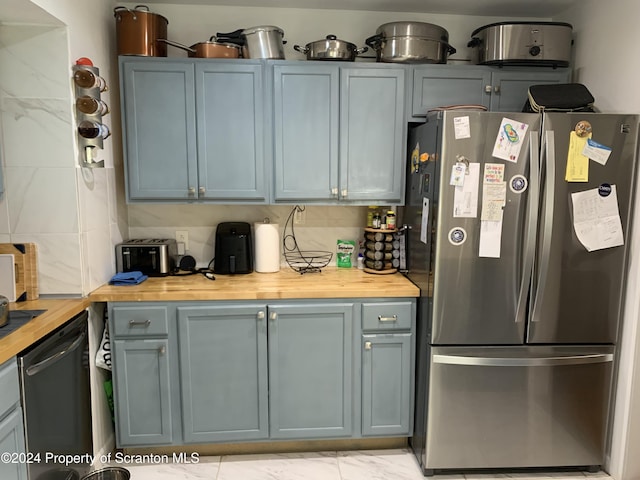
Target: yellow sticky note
(577,164)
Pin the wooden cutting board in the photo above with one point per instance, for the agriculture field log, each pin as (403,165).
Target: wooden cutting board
(26,269)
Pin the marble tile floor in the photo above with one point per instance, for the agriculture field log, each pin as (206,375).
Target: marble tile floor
(397,464)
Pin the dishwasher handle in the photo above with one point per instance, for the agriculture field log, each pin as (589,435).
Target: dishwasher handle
(38,367)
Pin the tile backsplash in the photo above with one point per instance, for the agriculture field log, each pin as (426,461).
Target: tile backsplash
(323,225)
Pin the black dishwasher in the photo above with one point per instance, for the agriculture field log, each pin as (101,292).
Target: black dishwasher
(56,402)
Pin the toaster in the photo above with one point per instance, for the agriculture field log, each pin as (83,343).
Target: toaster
(233,249)
(153,257)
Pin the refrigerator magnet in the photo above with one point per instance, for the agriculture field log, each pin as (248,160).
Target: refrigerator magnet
(518,184)
(457,236)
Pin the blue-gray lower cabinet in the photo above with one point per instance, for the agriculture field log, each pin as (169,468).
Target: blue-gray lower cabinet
(386,384)
(223,373)
(311,370)
(498,89)
(11,426)
(142,390)
(198,372)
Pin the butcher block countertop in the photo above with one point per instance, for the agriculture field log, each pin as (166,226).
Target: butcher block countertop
(331,282)
(58,311)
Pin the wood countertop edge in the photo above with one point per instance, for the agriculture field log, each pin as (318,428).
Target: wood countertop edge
(58,311)
(333,283)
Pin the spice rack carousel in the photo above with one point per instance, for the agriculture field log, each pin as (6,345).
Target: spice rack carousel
(382,250)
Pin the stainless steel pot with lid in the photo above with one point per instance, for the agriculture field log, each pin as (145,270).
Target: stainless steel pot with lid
(411,42)
(264,41)
(522,43)
(331,48)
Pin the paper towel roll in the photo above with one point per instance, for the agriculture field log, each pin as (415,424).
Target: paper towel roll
(267,247)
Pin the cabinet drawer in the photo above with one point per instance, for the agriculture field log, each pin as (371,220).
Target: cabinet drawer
(140,321)
(9,386)
(386,316)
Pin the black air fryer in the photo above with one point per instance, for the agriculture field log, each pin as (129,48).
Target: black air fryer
(233,251)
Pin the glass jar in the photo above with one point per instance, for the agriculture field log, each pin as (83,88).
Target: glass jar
(391,220)
(377,220)
(91,106)
(88,129)
(84,78)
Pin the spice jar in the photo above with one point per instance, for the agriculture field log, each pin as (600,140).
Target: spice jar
(377,220)
(391,220)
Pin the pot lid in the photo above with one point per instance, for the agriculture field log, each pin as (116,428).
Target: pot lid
(262,28)
(332,41)
(413,29)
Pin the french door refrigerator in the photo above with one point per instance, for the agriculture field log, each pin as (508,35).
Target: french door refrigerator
(517,232)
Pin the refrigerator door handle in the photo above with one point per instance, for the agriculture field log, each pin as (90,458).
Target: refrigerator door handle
(522,361)
(529,247)
(549,162)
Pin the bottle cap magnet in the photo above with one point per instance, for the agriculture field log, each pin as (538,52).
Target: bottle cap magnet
(583,128)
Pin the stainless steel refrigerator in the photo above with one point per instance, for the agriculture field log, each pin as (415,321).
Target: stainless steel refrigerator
(518,234)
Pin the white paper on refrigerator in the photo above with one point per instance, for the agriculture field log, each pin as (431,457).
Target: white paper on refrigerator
(490,238)
(510,140)
(596,218)
(465,198)
(461,128)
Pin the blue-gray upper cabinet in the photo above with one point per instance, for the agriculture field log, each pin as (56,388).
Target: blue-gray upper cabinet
(223,372)
(11,427)
(159,129)
(311,384)
(498,89)
(338,133)
(193,130)
(231,136)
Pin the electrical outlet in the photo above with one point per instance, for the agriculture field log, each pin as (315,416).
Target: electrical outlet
(182,236)
(299,217)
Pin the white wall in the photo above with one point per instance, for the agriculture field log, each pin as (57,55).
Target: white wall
(71,213)
(606,61)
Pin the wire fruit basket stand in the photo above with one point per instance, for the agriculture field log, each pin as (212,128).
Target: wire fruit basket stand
(301,261)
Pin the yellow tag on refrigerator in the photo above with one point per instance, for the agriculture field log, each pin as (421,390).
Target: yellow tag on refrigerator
(577,163)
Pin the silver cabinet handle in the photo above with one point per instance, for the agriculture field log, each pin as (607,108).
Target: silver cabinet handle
(260,315)
(334,191)
(392,318)
(496,89)
(139,323)
(192,191)
(162,349)
(344,193)
(201,190)
(273,316)
(367,345)
(488,89)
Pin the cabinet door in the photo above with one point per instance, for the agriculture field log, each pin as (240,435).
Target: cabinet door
(231,144)
(372,134)
(159,129)
(511,88)
(306,116)
(440,85)
(223,371)
(142,392)
(12,442)
(311,370)
(386,384)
